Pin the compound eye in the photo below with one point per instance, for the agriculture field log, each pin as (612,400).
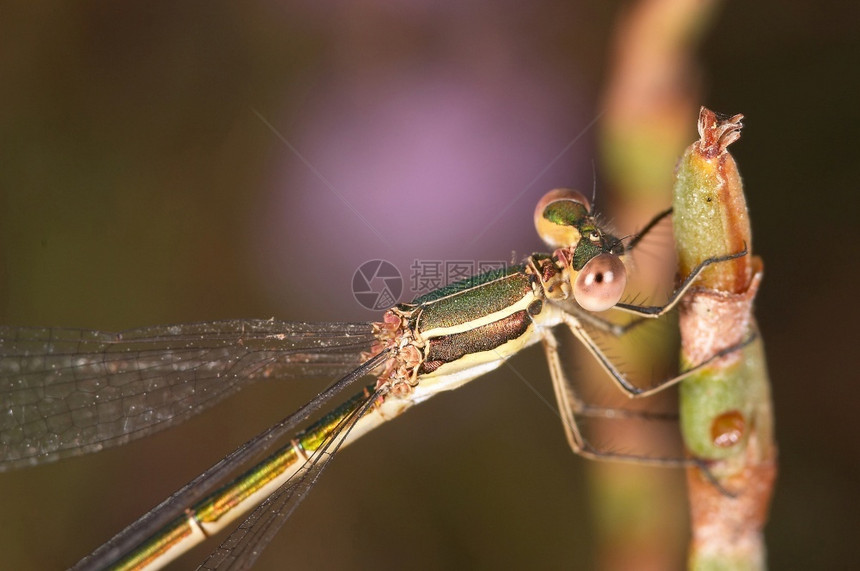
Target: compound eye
(558,216)
(600,283)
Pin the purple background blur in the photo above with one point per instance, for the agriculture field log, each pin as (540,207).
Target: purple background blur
(139,185)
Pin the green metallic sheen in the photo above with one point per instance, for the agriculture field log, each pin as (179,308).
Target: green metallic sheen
(566,213)
(226,498)
(472,299)
(585,250)
(233,494)
(173,532)
(468,283)
(318,434)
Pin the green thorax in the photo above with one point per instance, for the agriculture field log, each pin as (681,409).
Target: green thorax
(473,298)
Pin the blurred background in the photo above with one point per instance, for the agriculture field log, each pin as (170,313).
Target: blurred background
(195,163)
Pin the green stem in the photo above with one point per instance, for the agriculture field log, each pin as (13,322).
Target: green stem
(726,415)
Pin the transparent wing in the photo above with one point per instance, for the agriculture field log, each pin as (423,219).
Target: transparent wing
(241,549)
(65,392)
(141,530)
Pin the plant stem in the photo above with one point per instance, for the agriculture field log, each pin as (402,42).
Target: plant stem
(726,414)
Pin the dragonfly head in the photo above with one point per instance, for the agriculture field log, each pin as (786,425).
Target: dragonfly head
(589,258)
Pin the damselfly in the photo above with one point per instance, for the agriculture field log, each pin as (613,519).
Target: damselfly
(67,392)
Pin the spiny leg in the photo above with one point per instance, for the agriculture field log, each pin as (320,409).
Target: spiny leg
(570,406)
(646,312)
(648,227)
(653,311)
(621,379)
(602,323)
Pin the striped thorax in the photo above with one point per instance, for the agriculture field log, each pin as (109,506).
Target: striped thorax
(454,334)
